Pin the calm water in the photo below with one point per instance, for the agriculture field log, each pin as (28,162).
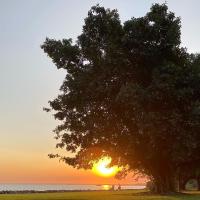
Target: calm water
(43,187)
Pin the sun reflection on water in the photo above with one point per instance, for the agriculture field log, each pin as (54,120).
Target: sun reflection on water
(106,187)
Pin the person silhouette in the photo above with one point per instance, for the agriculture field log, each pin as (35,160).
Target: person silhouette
(113,187)
(119,187)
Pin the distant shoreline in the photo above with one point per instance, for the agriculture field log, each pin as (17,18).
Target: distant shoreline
(54,191)
(45,188)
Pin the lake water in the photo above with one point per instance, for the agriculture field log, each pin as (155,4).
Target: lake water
(56,187)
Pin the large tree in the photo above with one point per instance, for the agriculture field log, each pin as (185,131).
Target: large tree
(130,92)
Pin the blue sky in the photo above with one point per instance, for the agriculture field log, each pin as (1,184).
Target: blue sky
(28,79)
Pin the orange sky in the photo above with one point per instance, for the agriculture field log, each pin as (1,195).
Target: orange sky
(24,155)
(38,168)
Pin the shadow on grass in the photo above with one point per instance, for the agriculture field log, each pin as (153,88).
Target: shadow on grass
(174,195)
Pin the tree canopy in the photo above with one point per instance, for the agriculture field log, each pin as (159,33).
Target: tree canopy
(130,92)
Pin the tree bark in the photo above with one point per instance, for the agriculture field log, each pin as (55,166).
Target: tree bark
(181,185)
(198,181)
(166,184)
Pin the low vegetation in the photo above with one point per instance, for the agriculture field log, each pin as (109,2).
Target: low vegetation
(105,195)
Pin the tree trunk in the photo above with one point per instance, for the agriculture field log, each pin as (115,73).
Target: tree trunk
(166,185)
(182,186)
(182,183)
(198,181)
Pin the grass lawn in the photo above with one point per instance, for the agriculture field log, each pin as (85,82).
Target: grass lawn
(101,195)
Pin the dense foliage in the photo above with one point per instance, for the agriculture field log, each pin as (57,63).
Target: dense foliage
(130,92)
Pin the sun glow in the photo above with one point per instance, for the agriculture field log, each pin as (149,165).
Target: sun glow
(101,168)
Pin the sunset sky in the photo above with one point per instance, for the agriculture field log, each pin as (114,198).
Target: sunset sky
(28,80)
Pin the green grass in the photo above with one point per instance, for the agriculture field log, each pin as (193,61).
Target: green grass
(101,195)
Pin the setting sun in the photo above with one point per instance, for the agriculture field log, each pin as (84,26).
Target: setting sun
(101,168)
